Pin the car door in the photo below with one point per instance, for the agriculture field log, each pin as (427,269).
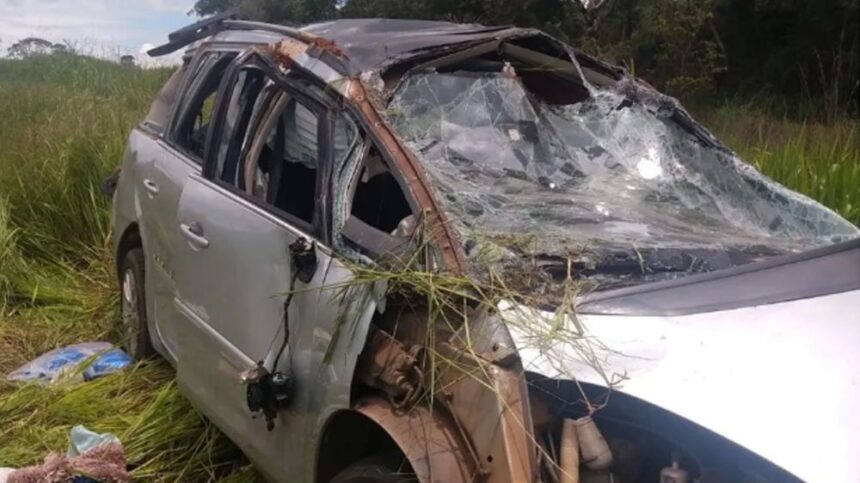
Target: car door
(263,188)
(177,155)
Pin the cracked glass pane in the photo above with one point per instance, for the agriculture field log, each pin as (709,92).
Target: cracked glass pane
(615,184)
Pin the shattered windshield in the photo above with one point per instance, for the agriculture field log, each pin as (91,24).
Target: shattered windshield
(614,183)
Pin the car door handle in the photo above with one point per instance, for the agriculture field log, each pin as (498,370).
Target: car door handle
(193,232)
(150,186)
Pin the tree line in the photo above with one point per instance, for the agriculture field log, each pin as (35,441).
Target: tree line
(803,52)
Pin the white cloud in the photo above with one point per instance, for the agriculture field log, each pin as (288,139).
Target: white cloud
(100,27)
(168,6)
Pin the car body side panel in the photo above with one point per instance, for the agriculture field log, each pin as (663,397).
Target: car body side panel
(168,170)
(231,296)
(129,205)
(126,207)
(782,380)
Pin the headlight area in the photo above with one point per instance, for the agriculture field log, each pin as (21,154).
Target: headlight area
(590,434)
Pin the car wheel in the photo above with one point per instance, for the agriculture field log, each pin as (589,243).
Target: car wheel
(385,468)
(133,330)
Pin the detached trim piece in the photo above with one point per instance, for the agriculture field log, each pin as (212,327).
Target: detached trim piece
(814,273)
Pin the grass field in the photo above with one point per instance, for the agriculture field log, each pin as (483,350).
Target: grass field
(63,124)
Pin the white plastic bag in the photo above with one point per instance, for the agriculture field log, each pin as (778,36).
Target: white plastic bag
(82,440)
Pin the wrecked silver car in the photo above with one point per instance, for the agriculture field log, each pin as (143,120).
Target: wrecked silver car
(395,250)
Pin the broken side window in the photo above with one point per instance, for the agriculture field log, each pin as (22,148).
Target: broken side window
(242,104)
(197,103)
(373,215)
(378,199)
(283,163)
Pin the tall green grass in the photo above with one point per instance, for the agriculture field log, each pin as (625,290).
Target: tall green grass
(821,161)
(63,126)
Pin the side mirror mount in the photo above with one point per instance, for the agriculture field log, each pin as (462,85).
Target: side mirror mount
(304,259)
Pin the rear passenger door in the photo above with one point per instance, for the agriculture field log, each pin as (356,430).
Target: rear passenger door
(264,187)
(163,177)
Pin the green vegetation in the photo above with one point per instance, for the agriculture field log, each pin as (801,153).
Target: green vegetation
(821,161)
(63,124)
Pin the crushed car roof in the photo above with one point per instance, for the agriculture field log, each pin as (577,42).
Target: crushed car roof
(374,43)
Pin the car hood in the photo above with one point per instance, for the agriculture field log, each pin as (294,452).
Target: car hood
(782,380)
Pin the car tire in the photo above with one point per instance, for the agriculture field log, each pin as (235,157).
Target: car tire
(383,468)
(133,330)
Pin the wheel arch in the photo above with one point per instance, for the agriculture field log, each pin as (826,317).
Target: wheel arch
(129,240)
(427,440)
(348,437)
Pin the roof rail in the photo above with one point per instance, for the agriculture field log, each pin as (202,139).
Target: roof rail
(218,23)
(292,32)
(196,31)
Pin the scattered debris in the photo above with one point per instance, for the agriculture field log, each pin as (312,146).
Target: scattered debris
(91,457)
(105,464)
(82,440)
(87,360)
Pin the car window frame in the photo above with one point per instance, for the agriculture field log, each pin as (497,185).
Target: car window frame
(187,90)
(367,239)
(267,112)
(287,83)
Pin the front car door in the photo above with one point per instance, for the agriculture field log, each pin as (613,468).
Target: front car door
(263,187)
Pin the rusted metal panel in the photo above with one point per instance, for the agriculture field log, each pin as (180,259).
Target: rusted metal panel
(429,441)
(389,366)
(490,403)
(284,51)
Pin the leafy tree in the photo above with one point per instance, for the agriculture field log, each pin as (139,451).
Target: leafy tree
(283,11)
(676,44)
(32,46)
(29,47)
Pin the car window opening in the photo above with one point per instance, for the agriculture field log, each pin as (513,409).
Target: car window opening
(194,117)
(284,173)
(378,200)
(379,219)
(237,126)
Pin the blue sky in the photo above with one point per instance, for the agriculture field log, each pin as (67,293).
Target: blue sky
(99,27)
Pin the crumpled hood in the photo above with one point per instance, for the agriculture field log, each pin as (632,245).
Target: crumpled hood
(782,380)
